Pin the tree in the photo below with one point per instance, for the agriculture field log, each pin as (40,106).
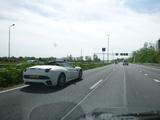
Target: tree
(147,54)
(95,58)
(70,58)
(88,58)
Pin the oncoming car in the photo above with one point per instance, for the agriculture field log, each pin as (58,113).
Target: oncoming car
(52,74)
(125,62)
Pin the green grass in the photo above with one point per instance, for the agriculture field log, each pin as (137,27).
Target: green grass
(91,66)
(152,64)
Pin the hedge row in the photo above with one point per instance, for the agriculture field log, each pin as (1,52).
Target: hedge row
(10,77)
(12,74)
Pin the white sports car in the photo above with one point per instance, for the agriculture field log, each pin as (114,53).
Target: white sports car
(52,74)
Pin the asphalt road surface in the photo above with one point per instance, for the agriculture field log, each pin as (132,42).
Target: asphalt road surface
(113,88)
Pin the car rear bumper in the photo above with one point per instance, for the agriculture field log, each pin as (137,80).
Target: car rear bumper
(46,82)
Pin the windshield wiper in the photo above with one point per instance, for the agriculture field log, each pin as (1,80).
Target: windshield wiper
(153,115)
(145,115)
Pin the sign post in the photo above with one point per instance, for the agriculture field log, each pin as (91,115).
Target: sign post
(103,50)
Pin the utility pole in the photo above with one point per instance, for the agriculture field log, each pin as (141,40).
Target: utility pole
(103,57)
(108,48)
(112,54)
(81,55)
(9,42)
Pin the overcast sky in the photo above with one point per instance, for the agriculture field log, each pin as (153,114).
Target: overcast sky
(45,28)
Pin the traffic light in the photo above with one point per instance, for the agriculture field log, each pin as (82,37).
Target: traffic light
(117,54)
(124,54)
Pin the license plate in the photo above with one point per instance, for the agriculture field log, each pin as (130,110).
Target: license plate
(34,76)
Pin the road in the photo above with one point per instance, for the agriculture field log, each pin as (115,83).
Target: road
(113,88)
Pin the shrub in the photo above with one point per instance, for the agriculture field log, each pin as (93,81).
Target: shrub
(10,77)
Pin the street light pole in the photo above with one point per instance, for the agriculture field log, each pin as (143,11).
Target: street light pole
(108,48)
(103,57)
(81,55)
(9,52)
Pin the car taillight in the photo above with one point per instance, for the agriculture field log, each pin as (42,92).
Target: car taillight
(47,70)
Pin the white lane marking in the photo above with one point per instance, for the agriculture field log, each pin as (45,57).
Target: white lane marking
(66,115)
(125,91)
(156,80)
(146,74)
(97,83)
(13,89)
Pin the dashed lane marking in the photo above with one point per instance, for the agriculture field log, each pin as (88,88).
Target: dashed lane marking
(156,80)
(146,74)
(97,83)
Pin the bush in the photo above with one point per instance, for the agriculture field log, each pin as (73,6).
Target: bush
(10,77)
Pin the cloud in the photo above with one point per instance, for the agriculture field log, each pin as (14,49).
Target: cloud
(73,25)
(143,6)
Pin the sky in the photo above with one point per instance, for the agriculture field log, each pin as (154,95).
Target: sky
(46,28)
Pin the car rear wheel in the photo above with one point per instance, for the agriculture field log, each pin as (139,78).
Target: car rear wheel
(80,75)
(61,80)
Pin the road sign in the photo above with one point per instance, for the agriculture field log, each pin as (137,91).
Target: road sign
(103,49)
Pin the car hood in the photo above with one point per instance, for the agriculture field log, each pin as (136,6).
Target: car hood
(129,116)
(47,111)
(106,114)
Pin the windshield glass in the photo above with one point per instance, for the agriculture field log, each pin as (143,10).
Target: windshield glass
(66,65)
(73,59)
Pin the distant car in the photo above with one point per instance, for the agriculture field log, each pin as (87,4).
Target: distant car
(32,61)
(52,74)
(125,62)
(116,62)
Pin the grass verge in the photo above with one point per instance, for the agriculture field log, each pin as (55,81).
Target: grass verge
(152,65)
